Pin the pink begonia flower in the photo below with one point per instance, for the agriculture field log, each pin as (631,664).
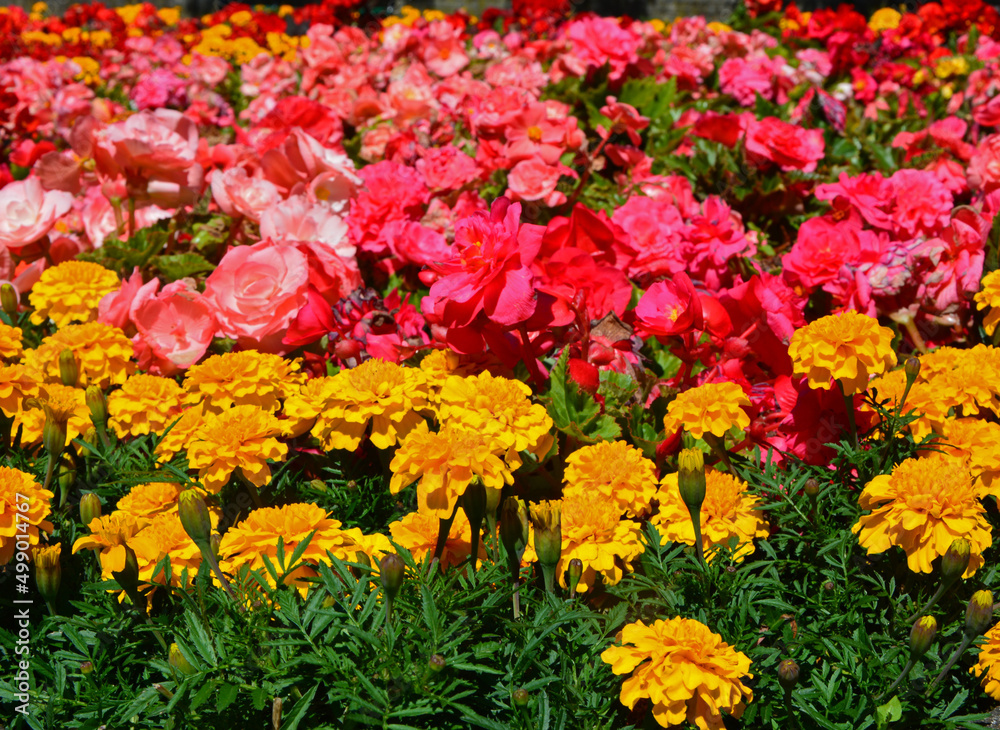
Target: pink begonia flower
(446,168)
(669,308)
(598,41)
(787,145)
(236,193)
(869,194)
(256,291)
(117,308)
(444,49)
(300,219)
(984,167)
(624,118)
(533,179)
(175,328)
(301,158)
(822,247)
(28,212)
(923,203)
(156,152)
(99,220)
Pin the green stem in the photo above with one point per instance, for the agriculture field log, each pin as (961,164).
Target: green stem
(966,640)
(931,603)
(719,447)
(903,675)
(696,522)
(444,527)
(549,575)
(50,470)
(131,216)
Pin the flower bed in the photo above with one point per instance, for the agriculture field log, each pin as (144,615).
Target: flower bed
(524,371)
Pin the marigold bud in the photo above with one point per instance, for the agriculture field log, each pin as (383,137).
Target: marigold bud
(912,369)
(574,573)
(521,697)
(437,663)
(979,614)
(955,562)
(546,519)
(98,405)
(196,520)
(48,570)
(788,674)
(128,576)
(811,488)
(69,369)
(922,636)
(492,500)
(90,508)
(180,663)
(514,528)
(9,300)
(691,478)
(86,668)
(474,502)
(53,433)
(392,569)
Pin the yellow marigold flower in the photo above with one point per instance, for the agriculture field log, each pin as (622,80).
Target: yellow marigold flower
(847,347)
(386,395)
(68,405)
(922,507)
(499,407)
(181,433)
(242,378)
(988,662)
(418,533)
(165,537)
(884,19)
(614,469)
(150,500)
(929,403)
(70,292)
(446,463)
(937,361)
(728,511)
(972,381)
(593,531)
(145,404)
(243,438)
(978,443)
(15,385)
(244,545)
(687,671)
(109,534)
(24,505)
(989,296)
(10,342)
(439,365)
(710,408)
(103,353)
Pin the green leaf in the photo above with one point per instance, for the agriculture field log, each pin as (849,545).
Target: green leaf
(891,711)
(227,695)
(179,265)
(299,710)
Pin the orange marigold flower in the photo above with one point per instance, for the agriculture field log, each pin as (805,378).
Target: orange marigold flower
(150,500)
(242,378)
(109,534)
(614,469)
(439,365)
(165,537)
(446,463)
(710,408)
(593,531)
(687,671)
(10,342)
(70,292)
(499,407)
(145,404)
(418,533)
(24,505)
(68,405)
(728,511)
(240,438)
(977,442)
(15,386)
(246,544)
(988,663)
(181,432)
(929,403)
(922,507)
(847,347)
(383,394)
(971,383)
(102,352)
(989,296)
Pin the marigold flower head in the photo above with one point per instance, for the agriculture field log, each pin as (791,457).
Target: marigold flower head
(242,378)
(67,405)
(22,502)
(15,386)
(884,19)
(10,342)
(446,463)
(102,352)
(439,365)
(388,396)
(164,537)
(989,296)
(70,292)
(728,511)
(499,407)
(152,499)
(242,437)
(978,443)
(710,408)
(848,347)
(971,383)
(988,663)
(245,544)
(109,534)
(145,404)
(922,507)
(614,469)
(593,531)
(418,533)
(688,672)
(181,432)
(928,403)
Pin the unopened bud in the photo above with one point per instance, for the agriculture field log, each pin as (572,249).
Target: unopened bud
(492,500)
(955,561)
(828,586)
(362,558)
(67,476)
(474,502)
(392,570)
(912,369)
(86,668)
(48,571)
(128,576)
(318,484)
(521,697)
(98,405)
(90,508)
(196,520)
(180,663)
(514,528)
(979,614)
(9,300)
(69,369)
(811,488)
(574,573)
(922,636)
(546,519)
(437,663)
(788,674)
(53,434)
(691,478)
